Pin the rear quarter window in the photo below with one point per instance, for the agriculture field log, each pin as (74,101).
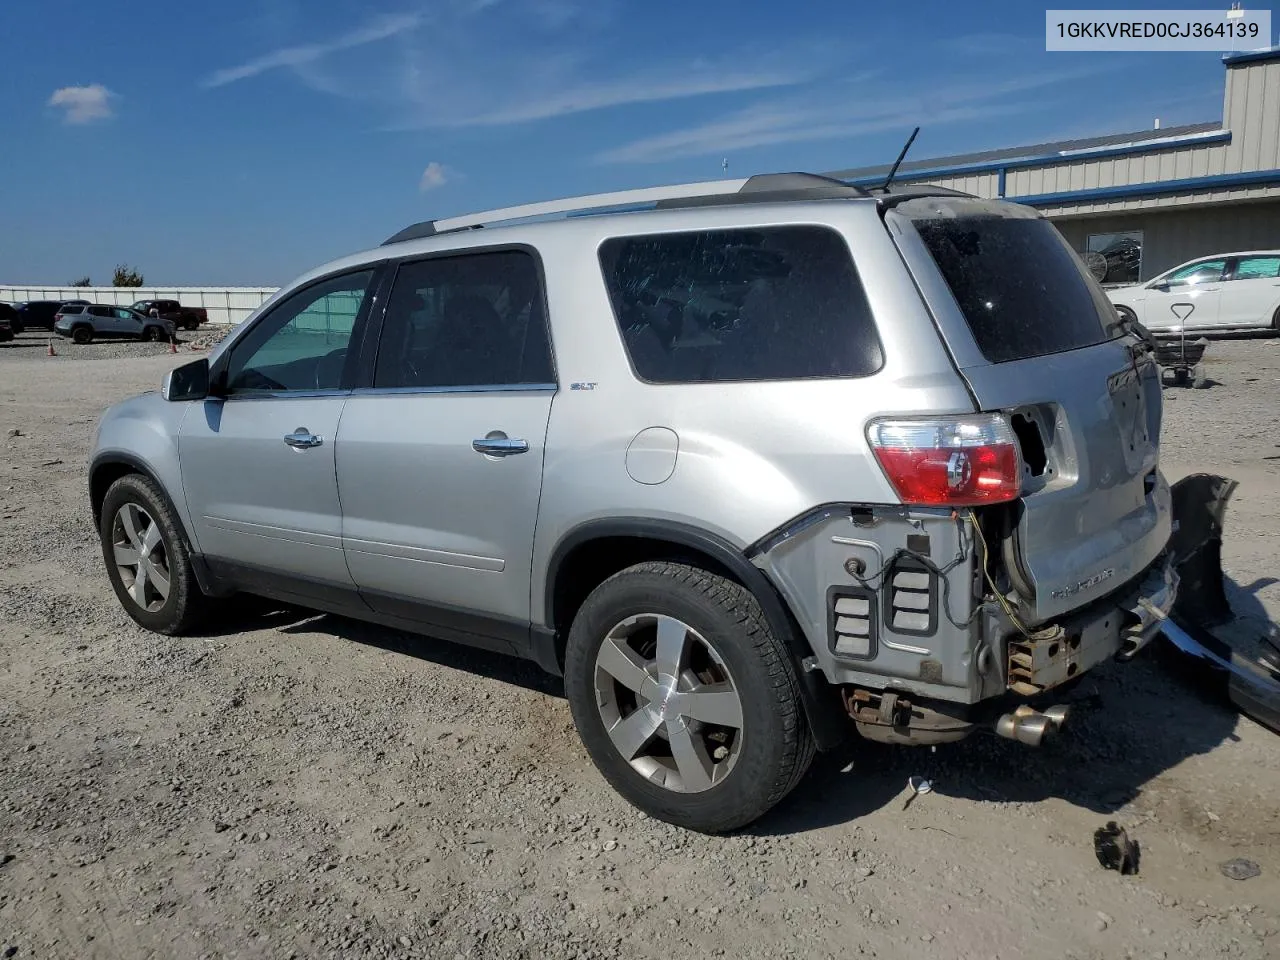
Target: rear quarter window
(769,303)
(1021,288)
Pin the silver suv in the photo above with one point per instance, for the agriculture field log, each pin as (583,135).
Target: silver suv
(770,460)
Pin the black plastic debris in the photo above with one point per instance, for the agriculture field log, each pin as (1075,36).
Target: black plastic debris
(1115,850)
(1240,869)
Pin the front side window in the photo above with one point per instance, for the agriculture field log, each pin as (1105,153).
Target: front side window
(302,344)
(768,303)
(1206,271)
(1258,268)
(469,320)
(124,314)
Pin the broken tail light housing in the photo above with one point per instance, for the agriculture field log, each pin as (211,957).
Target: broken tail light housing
(957,461)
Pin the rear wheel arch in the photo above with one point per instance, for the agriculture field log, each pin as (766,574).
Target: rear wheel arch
(591,553)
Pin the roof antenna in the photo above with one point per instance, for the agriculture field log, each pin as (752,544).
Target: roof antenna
(897,163)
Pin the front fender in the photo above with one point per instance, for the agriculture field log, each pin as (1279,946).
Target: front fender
(141,435)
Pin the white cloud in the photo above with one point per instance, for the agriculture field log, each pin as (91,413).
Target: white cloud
(826,118)
(435,175)
(489,63)
(381,28)
(83,104)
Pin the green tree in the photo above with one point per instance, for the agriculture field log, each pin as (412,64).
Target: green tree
(126,276)
(82,282)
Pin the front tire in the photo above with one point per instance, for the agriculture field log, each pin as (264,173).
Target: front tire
(687,702)
(147,558)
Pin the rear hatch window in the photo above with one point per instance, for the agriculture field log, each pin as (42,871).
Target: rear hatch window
(1021,288)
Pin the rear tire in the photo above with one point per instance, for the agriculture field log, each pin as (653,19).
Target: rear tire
(725,762)
(147,559)
(82,335)
(151,334)
(1275,322)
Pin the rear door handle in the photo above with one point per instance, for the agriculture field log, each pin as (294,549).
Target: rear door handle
(499,446)
(303,439)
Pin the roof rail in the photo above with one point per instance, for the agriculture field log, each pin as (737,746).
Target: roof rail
(762,188)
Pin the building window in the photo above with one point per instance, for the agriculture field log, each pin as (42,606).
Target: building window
(1114,257)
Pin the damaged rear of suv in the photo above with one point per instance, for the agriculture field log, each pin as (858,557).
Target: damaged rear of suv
(1027,542)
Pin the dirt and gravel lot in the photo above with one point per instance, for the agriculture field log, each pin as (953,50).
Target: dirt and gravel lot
(295,785)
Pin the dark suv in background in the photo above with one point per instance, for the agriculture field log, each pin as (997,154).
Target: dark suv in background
(39,313)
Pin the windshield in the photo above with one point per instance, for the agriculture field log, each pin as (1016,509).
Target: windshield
(1021,288)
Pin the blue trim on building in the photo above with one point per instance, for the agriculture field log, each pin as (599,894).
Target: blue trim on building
(1253,56)
(1051,159)
(1159,188)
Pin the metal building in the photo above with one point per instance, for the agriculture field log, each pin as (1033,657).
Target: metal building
(1136,204)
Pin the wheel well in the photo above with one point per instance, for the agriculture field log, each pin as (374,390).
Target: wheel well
(589,564)
(603,552)
(100,481)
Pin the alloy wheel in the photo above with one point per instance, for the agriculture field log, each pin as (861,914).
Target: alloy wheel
(140,557)
(668,703)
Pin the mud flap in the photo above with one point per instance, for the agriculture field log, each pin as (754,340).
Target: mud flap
(1202,624)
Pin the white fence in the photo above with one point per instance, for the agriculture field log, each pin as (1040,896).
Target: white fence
(224,304)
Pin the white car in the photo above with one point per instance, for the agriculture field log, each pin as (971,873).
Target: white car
(1227,291)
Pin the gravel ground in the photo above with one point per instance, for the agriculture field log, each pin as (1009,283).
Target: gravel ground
(295,785)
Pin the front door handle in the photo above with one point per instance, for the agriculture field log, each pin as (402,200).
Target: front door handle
(303,439)
(499,446)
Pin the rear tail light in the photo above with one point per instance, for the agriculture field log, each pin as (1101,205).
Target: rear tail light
(962,461)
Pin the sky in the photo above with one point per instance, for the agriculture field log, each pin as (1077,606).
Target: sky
(246,142)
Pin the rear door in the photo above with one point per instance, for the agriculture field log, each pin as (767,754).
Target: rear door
(439,457)
(1251,292)
(104,320)
(1035,337)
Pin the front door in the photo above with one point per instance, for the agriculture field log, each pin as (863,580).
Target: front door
(125,322)
(258,460)
(440,460)
(1189,297)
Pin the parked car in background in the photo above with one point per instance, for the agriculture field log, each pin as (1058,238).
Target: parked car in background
(39,313)
(1226,291)
(184,318)
(83,323)
(7,317)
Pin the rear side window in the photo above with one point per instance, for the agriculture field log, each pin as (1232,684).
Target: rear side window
(70,308)
(471,320)
(769,303)
(1019,285)
(95,311)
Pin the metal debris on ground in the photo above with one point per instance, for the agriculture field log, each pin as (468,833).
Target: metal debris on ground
(1239,868)
(917,786)
(1115,850)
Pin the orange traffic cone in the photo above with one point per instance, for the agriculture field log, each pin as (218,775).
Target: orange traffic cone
(52,352)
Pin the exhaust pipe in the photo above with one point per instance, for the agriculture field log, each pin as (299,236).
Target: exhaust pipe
(1030,726)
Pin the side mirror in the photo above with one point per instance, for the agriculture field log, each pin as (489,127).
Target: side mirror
(1162,286)
(187,382)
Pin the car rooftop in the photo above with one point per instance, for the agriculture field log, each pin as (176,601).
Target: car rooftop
(494,227)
